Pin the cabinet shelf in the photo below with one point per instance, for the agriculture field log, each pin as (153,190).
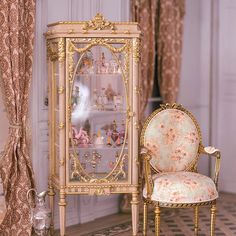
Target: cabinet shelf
(107,75)
(103,112)
(98,147)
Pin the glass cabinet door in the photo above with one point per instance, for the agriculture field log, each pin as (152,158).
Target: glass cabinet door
(98,101)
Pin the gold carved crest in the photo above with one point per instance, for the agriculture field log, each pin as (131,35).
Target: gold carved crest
(99,23)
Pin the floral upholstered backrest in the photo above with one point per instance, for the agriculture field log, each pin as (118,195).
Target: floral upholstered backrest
(172,136)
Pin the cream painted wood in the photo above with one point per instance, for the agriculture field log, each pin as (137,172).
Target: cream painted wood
(63,34)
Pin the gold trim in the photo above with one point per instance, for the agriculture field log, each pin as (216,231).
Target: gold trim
(61,90)
(61,125)
(61,50)
(51,54)
(83,22)
(191,166)
(212,151)
(98,23)
(113,185)
(118,169)
(100,42)
(182,205)
(136,50)
(213,219)
(70,60)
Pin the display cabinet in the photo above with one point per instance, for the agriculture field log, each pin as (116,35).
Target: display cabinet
(93,110)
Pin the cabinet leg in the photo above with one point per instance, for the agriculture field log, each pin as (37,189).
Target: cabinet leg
(135,213)
(51,194)
(62,212)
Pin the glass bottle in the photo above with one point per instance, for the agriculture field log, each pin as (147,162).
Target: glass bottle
(40,214)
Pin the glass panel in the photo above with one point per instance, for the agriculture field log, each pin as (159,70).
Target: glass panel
(98,95)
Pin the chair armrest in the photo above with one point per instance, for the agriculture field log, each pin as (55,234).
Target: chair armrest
(146,155)
(212,151)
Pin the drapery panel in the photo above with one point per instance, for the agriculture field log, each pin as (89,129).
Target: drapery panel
(170,18)
(144,12)
(17,22)
(161,22)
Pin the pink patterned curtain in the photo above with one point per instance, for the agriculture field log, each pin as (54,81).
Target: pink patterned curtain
(169,43)
(144,12)
(17,20)
(161,22)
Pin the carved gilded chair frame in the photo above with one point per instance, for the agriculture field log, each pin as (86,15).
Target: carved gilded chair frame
(146,156)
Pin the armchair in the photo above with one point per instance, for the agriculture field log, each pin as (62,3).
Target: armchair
(170,147)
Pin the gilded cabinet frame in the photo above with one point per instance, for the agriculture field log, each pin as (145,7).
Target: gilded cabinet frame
(63,39)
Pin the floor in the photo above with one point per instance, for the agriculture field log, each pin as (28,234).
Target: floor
(174,222)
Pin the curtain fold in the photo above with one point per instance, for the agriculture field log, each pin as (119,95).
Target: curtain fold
(17,22)
(144,12)
(170,18)
(161,22)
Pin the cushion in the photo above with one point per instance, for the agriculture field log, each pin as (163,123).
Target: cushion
(182,187)
(173,138)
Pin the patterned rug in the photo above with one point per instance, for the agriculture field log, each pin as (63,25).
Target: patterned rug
(179,222)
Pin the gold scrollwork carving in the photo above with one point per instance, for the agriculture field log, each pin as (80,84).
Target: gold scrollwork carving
(101,190)
(70,61)
(56,51)
(61,125)
(98,23)
(60,90)
(99,41)
(136,50)
(51,54)
(61,50)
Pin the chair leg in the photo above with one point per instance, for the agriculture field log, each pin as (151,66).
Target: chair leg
(196,220)
(157,220)
(213,219)
(145,217)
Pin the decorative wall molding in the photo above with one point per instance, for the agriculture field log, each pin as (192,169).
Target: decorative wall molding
(224,89)
(195,73)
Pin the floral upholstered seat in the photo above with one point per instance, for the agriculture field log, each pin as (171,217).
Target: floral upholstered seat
(170,147)
(182,187)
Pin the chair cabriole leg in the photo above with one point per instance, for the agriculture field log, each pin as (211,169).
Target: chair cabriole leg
(145,217)
(196,220)
(213,219)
